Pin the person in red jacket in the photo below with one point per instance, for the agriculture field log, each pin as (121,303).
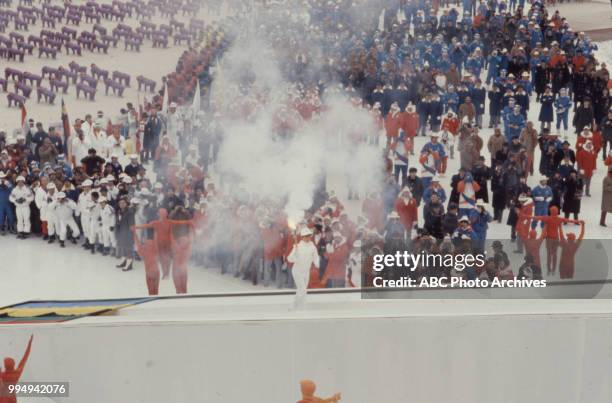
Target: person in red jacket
(586,157)
(569,247)
(392,124)
(451,123)
(406,207)
(10,375)
(592,136)
(337,256)
(409,123)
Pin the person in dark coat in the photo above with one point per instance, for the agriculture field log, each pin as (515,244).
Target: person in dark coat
(450,220)
(123,233)
(481,174)
(546,111)
(583,116)
(415,184)
(433,214)
(541,79)
(557,185)
(496,97)
(572,195)
(454,196)
(565,151)
(152,132)
(498,188)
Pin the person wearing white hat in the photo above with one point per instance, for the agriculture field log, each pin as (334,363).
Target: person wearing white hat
(21,197)
(95,221)
(542,196)
(432,154)
(303,256)
(115,145)
(480,219)
(107,215)
(85,204)
(133,167)
(45,200)
(65,209)
(112,191)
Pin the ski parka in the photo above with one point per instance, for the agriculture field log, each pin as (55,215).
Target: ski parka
(64,209)
(21,196)
(542,196)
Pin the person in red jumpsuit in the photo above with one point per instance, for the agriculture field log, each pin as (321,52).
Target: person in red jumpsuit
(532,246)
(182,239)
(308,389)
(148,250)
(552,233)
(163,240)
(569,247)
(11,375)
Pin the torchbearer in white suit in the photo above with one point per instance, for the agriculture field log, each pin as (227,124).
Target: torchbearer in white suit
(21,197)
(303,256)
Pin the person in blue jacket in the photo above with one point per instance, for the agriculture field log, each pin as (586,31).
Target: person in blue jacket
(479,220)
(563,104)
(479,96)
(493,70)
(436,189)
(542,195)
(515,123)
(7,216)
(457,56)
(451,100)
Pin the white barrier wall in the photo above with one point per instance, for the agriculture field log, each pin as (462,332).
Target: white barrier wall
(469,359)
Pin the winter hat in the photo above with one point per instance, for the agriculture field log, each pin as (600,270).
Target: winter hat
(305,231)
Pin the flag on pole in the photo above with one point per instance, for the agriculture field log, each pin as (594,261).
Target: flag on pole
(24,119)
(66,124)
(165,100)
(197,96)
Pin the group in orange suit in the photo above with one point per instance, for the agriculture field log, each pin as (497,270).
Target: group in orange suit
(166,244)
(11,375)
(555,238)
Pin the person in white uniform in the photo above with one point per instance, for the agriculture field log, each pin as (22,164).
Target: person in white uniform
(302,256)
(64,213)
(84,209)
(21,197)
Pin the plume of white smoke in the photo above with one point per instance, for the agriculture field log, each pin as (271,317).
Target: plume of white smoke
(254,160)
